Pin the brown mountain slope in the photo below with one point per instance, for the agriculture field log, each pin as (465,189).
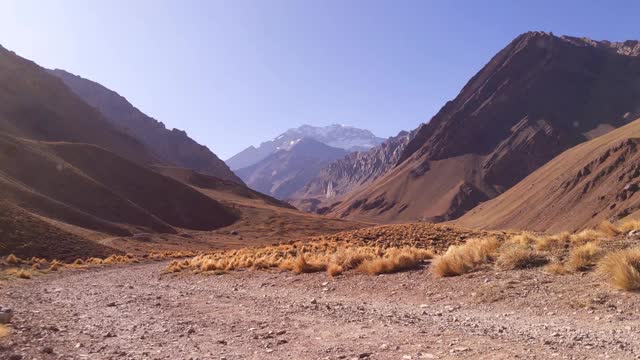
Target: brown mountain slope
(194,178)
(37,105)
(89,187)
(539,96)
(355,170)
(595,181)
(25,235)
(172,146)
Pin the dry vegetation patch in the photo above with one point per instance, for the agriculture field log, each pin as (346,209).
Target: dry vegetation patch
(461,259)
(622,269)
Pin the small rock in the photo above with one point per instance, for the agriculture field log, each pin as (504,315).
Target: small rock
(314,301)
(47,350)
(281,332)
(191,331)
(15,357)
(384,347)
(6,315)
(109,335)
(111,304)
(234,232)
(364,355)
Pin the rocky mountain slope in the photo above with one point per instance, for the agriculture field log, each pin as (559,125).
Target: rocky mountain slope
(595,181)
(37,105)
(537,97)
(355,170)
(172,146)
(288,169)
(338,136)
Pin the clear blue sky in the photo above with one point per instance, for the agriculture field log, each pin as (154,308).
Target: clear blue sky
(234,73)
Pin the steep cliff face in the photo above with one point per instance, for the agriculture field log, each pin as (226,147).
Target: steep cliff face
(354,170)
(173,146)
(537,97)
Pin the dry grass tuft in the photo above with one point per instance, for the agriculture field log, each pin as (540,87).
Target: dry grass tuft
(302,265)
(334,270)
(12,259)
(4,331)
(587,236)
(622,269)
(461,259)
(553,242)
(520,257)
(584,257)
(395,261)
(555,268)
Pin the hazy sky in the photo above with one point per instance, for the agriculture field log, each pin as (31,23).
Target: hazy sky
(235,73)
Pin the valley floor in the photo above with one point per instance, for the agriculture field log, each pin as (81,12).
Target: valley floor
(138,312)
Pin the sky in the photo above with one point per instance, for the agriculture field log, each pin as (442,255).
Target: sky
(235,73)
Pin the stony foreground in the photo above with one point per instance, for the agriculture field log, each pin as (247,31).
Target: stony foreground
(137,312)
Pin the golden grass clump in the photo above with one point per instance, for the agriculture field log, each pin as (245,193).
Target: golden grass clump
(555,268)
(553,242)
(520,257)
(524,238)
(4,331)
(302,265)
(334,269)
(622,269)
(20,273)
(55,265)
(461,259)
(587,236)
(12,259)
(395,260)
(584,257)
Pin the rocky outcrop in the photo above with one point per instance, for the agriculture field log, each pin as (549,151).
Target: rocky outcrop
(173,146)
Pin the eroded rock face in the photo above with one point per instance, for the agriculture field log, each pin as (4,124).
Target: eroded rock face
(539,96)
(354,170)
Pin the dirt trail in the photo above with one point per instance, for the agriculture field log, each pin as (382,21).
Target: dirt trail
(136,312)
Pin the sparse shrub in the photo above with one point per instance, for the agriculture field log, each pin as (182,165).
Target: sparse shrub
(461,259)
(622,268)
(520,257)
(584,257)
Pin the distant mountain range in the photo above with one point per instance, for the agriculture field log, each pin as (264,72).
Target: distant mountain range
(287,170)
(338,136)
(282,166)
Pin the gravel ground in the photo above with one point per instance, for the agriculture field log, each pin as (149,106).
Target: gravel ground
(137,312)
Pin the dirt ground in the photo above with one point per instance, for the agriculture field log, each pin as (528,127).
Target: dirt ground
(137,312)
